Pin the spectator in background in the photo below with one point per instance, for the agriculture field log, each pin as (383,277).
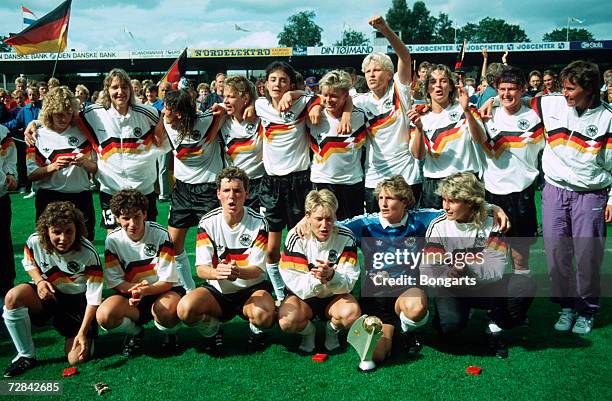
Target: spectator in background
(299,82)
(26,115)
(21,83)
(203,91)
(423,68)
(494,70)
(136,85)
(151,92)
(607,74)
(82,94)
(607,98)
(42,89)
(551,84)
(312,85)
(535,83)
(53,83)
(216,95)
(140,97)
(260,85)
(5,100)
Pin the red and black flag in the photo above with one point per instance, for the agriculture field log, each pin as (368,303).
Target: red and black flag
(176,71)
(460,56)
(49,34)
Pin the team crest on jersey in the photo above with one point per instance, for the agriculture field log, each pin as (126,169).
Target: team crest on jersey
(73,141)
(250,128)
(454,116)
(387,104)
(245,240)
(73,267)
(591,130)
(137,132)
(149,250)
(481,239)
(522,124)
(333,256)
(410,242)
(288,116)
(195,135)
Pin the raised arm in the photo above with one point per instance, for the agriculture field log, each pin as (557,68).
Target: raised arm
(404,63)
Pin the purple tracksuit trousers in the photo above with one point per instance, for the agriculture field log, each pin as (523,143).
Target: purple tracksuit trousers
(574,227)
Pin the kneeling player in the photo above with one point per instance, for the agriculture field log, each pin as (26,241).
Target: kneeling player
(140,267)
(231,256)
(320,271)
(66,284)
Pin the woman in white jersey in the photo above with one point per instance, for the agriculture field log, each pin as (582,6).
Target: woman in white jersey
(242,138)
(60,162)
(286,157)
(197,160)
(447,135)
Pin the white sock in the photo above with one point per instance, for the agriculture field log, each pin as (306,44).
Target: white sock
(167,330)
(276,280)
(308,337)
(18,324)
(183,269)
(127,326)
(493,328)
(331,336)
(209,327)
(256,330)
(409,325)
(524,272)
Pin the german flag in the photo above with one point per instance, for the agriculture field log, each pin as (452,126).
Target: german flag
(460,56)
(175,72)
(47,35)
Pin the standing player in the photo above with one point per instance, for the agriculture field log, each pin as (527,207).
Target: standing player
(336,164)
(8,182)
(320,272)
(230,256)
(60,162)
(283,113)
(243,139)
(388,145)
(139,266)
(197,160)
(446,136)
(66,284)
(515,138)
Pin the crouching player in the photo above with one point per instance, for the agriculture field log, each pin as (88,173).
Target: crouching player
(139,265)
(319,271)
(475,274)
(231,257)
(66,285)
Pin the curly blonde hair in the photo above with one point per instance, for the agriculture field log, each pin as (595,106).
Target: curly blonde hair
(58,100)
(337,79)
(241,85)
(466,187)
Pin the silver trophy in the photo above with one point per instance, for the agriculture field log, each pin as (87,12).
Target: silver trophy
(363,336)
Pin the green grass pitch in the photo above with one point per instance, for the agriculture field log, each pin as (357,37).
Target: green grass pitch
(543,364)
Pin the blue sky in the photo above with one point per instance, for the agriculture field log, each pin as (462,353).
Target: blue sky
(173,24)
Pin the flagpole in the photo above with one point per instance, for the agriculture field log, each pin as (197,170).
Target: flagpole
(567,30)
(56,57)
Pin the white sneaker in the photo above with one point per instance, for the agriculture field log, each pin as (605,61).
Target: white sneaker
(30,195)
(584,325)
(566,319)
(331,337)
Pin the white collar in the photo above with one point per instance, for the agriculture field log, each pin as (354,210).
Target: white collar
(385,223)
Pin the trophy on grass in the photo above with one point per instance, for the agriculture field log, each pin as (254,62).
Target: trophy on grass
(363,336)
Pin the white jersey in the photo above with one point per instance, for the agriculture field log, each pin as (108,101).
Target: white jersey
(300,255)
(245,244)
(388,143)
(285,147)
(512,148)
(124,144)
(150,259)
(197,157)
(578,155)
(448,142)
(337,158)
(243,145)
(49,146)
(8,158)
(73,272)
(484,254)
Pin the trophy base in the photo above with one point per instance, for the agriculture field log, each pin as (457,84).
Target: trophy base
(367,366)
